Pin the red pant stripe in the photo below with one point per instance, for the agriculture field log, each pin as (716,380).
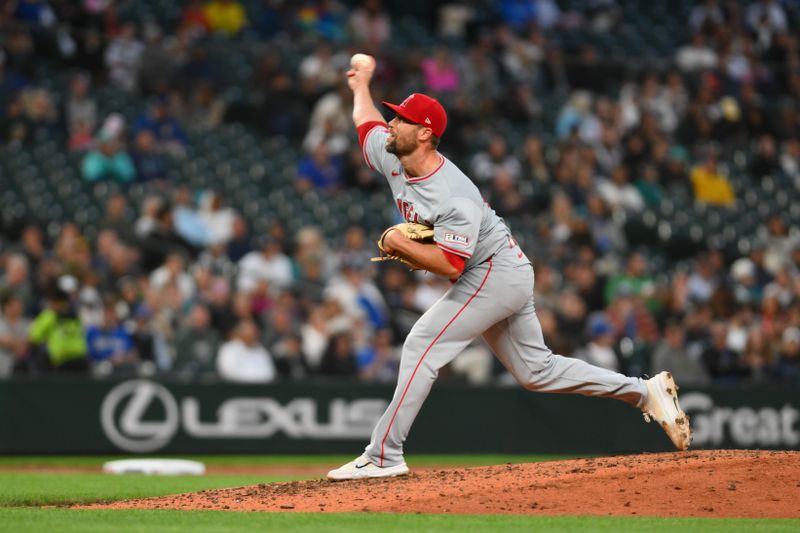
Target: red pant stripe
(428,349)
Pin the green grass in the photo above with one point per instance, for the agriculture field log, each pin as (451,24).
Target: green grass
(17,488)
(279,460)
(68,521)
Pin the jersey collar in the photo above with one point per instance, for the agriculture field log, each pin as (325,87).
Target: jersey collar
(411,179)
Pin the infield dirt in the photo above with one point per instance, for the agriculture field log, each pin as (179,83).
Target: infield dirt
(721,483)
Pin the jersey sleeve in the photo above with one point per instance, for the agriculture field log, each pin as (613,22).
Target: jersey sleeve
(457,226)
(372,136)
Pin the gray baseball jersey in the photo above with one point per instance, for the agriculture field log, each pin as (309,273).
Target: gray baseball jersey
(445,199)
(493,298)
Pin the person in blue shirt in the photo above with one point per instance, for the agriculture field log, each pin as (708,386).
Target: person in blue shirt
(169,133)
(319,171)
(110,341)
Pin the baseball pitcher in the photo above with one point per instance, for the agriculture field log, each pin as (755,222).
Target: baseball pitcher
(451,231)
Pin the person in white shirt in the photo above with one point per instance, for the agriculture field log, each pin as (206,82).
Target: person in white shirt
(696,56)
(267,263)
(243,359)
(618,192)
(173,271)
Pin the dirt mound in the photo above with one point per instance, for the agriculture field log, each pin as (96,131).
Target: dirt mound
(703,483)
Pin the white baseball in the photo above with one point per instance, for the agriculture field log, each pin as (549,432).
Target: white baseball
(362,61)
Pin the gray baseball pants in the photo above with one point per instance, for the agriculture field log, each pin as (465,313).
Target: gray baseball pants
(493,299)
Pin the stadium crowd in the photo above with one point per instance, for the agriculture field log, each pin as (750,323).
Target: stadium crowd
(185,284)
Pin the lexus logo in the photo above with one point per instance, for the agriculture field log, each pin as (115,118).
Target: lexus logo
(140,416)
(123,411)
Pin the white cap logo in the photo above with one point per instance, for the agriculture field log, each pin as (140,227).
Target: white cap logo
(427,120)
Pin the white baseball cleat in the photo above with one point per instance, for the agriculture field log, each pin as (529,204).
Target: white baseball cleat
(662,406)
(362,468)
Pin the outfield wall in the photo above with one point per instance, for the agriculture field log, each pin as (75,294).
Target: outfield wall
(144,416)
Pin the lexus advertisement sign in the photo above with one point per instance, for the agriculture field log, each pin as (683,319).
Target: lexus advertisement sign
(146,416)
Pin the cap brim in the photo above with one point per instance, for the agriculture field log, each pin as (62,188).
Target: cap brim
(400,111)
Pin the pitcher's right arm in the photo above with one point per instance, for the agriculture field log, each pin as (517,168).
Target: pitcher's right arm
(364,110)
(370,125)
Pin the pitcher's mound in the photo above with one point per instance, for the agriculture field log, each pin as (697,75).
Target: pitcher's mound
(703,483)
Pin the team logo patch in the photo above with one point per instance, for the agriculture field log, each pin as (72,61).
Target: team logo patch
(455,238)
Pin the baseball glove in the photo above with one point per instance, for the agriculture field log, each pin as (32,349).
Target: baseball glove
(410,230)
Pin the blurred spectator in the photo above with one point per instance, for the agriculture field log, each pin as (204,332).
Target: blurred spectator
(196,345)
(239,245)
(635,279)
(57,337)
(320,171)
(778,245)
(10,82)
(108,161)
(173,273)
(600,349)
(769,12)
(225,16)
(168,132)
(618,192)
(788,364)
(379,362)
(266,263)
(521,106)
(757,356)
(289,358)
(283,111)
(706,16)
(649,186)
(357,295)
(80,112)
(671,354)
(110,341)
(721,362)
(123,57)
(91,53)
(17,129)
(205,110)
(711,187)
(765,162)
(370,25)
(41,111)
(194,18)
(188,222)
(322,69)
(243,359)
(151,166)
(32,246)
(790,161)
(162,239)
(162,58)
(331,123)
(13,335)
(745,288)
(20,52)
(315,334)
(16,279)
(487,163)
(440,73)
(217,218)
(339,357)
(696,56)
(703,281)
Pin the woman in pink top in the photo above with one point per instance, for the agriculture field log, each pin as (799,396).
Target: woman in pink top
(440,73)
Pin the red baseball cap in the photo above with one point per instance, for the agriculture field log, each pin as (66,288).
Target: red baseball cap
(423,110)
